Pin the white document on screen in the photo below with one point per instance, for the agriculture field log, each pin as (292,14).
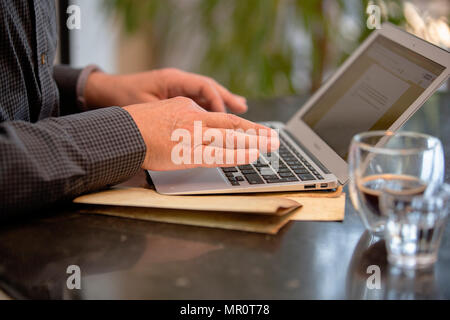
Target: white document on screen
(361,106)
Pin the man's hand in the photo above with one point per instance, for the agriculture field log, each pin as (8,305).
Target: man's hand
(240,140)
(104,90)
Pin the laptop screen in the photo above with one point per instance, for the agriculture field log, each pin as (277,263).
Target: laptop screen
(371,94)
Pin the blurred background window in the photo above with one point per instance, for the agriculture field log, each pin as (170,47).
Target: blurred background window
(257,48)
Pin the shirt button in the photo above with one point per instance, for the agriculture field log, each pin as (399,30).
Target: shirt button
(43,58)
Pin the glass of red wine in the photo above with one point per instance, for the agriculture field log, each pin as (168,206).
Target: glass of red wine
(413,162)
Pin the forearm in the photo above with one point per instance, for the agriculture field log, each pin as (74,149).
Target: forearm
(59,158)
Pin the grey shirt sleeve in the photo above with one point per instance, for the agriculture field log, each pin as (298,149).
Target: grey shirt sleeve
(60,158)
(71,83)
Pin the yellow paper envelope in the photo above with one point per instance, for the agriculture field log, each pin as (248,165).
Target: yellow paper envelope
(265,213)
(148,198)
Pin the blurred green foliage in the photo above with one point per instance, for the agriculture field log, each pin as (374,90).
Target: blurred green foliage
(255,47)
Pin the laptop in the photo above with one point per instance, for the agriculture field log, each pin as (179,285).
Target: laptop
(379,87)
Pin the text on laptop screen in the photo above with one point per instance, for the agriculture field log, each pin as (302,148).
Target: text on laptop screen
(371,94)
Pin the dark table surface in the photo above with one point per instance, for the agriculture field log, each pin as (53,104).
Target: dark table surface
(122,258)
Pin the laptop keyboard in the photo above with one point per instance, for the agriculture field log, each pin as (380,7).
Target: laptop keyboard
(292,167)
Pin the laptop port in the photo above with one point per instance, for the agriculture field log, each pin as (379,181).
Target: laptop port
(324,185)
(310,186)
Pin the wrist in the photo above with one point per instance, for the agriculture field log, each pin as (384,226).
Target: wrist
(98,90)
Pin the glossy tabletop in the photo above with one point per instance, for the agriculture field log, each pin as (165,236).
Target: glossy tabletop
(127,259)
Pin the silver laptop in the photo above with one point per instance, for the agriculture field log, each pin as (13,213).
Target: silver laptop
(379,87)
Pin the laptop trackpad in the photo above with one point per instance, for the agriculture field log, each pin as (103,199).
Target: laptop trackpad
(189,180)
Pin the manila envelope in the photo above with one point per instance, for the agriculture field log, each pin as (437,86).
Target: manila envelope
(149,198)
(269,224)
(266,213)
(316,205)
